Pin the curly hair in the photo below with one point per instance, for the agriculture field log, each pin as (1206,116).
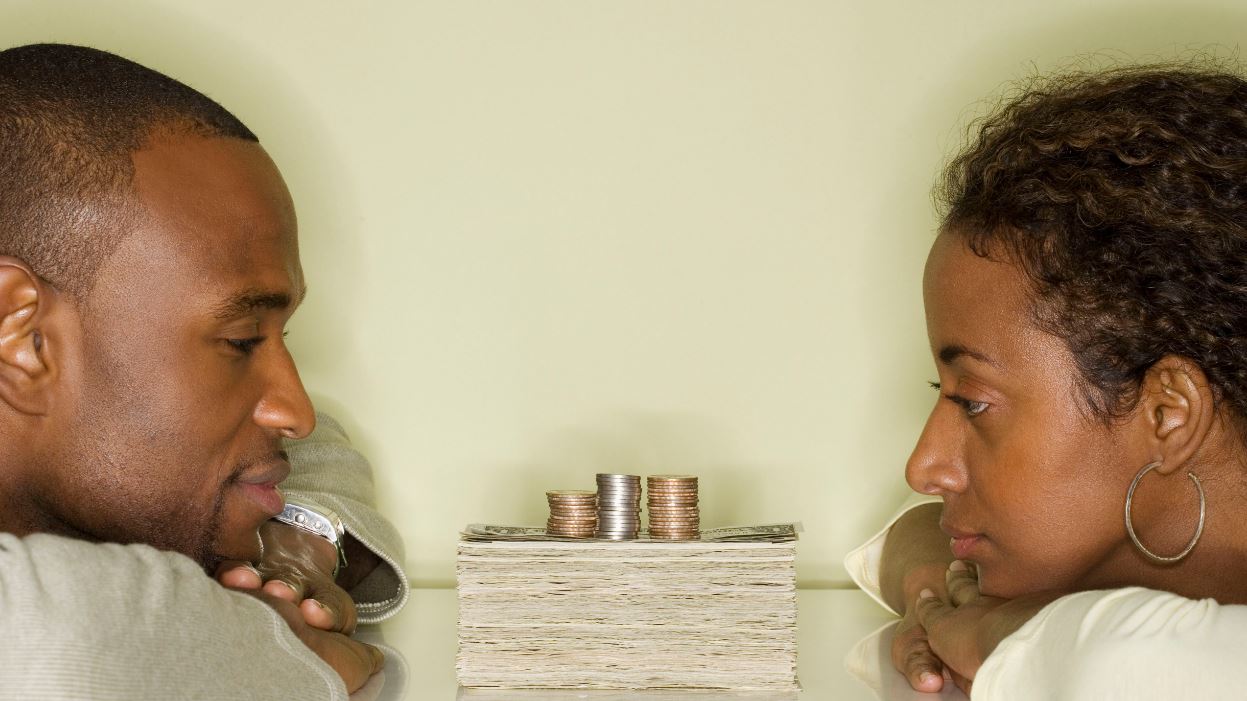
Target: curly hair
(1122,195)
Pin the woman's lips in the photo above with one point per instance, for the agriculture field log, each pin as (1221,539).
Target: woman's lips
(963,541)
(964,546)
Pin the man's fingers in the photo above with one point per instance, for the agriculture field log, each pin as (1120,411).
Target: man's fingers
(330,608)
(328,616)
(237,574)
(354,661)
(322,602)
(963,583)
(317,615)
(378,657)
(291,590)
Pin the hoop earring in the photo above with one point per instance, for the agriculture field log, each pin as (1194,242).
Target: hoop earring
(1199,530)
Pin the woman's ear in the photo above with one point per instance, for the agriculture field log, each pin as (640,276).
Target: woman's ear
(1176,404)
(25,371)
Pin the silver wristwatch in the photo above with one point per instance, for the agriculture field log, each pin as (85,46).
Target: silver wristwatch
(310,516)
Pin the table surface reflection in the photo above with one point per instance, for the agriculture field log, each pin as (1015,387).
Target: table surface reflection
(842,654)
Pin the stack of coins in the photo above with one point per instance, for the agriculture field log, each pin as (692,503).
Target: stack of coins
(619,506)
(673,512)
(573,513)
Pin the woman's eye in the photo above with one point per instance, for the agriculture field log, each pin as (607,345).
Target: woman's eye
(969,406)
(245,345)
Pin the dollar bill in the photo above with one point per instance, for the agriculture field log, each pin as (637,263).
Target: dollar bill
(772,533)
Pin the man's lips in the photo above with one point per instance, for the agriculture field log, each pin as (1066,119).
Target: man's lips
(259,482)
(270,471)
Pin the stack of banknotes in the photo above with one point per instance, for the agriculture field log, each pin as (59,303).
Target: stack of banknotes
(540,611)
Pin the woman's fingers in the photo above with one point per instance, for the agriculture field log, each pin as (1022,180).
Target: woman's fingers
(912,657)
(929,609)
(963,583)
(923,669)
(962,682)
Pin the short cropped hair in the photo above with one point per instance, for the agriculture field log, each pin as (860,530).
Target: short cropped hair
(70,119)
(1122,195)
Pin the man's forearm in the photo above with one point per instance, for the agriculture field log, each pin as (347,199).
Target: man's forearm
(142,625)
(915,555)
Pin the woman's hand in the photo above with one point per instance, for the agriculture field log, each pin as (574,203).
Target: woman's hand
(915,557)
(911,651)
(964,629)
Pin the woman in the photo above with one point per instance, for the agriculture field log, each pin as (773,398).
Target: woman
(1086,305)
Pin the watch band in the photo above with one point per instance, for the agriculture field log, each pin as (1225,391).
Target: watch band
(309,516)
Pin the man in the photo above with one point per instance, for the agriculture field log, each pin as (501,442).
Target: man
(148,265)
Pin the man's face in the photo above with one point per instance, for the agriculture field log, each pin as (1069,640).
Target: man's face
(185,386)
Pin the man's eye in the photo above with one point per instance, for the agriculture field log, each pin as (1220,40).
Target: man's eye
(245,345)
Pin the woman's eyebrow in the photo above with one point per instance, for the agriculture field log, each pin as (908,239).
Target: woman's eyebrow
(950,353)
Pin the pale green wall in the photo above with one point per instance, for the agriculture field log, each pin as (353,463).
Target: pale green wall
(546,239)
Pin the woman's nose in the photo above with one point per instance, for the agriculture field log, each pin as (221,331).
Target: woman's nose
(937,465)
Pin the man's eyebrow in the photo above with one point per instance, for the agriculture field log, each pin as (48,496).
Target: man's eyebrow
(248,301)
(950,353)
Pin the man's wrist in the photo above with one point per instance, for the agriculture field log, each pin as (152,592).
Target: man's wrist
(298,543)
(319,522)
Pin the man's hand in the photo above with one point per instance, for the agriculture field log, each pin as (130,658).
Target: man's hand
(964,628)
(354,661)
(297,567)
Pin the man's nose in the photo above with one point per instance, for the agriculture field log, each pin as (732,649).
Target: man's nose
(937,465)
(284,405)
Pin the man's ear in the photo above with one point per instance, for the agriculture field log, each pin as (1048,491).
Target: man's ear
(1177,408)
(25,371)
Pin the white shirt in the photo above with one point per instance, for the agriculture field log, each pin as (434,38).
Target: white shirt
(1133,643)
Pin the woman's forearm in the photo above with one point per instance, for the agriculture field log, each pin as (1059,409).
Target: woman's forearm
(915,556)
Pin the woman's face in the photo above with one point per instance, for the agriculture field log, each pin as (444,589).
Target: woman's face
(1033,484)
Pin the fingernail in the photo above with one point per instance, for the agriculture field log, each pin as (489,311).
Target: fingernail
(322,606)
(289,586)
(927,677)
(926,594)
(957,566)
